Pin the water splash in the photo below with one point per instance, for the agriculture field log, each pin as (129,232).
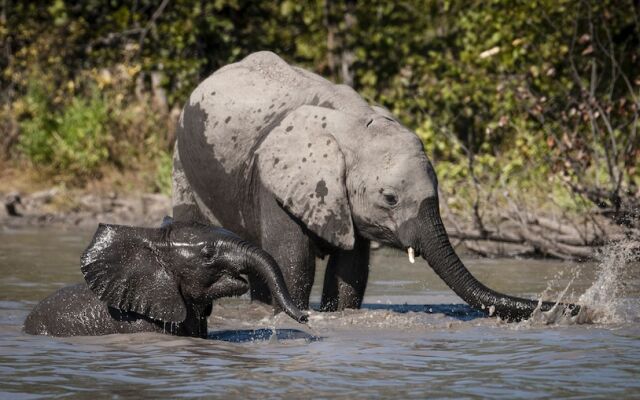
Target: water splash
(611,298)
(616,279)
(559,314)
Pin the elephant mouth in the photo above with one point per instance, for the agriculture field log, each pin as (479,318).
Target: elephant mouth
(240,281)
(414,249)
(377,232)
(229,285)
(412,253)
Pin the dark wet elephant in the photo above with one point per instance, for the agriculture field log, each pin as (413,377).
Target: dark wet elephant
(305,167)
(156,280)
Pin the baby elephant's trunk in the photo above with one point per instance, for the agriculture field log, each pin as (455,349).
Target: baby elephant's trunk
(260,263)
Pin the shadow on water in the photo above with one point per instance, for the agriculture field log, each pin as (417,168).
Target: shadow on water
(461,312)
(252,335)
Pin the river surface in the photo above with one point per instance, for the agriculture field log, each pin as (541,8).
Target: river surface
(414,338)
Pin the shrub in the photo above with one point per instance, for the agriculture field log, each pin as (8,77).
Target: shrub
(70,141)
(164,168)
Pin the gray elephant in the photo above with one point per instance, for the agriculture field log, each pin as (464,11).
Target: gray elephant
(156,280)
(305,167)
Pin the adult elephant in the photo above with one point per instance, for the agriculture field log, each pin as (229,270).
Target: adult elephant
(304,167)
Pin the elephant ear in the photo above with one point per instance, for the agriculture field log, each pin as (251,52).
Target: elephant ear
(300,162)
(122,265)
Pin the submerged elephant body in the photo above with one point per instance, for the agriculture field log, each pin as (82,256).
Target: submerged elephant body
(84,314)
(156,280)
(304,167)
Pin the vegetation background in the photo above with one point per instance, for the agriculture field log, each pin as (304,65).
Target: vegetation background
(529,109)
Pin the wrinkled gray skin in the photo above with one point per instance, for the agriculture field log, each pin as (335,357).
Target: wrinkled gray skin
(305,167)
(156,280)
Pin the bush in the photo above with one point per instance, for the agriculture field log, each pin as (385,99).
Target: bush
(164,169)
(70,141)
(504,94)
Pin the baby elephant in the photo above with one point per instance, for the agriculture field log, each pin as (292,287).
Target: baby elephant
(156,280)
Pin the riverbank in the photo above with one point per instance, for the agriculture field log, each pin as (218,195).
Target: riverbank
(514,230)
(29,199)
(511,231)
(74,208)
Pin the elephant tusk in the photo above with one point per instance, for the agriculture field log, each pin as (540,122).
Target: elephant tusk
(412,256)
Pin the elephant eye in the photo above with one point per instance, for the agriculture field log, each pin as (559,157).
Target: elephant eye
(391,199)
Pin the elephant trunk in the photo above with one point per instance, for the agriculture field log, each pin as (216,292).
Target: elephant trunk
(259,262)
(435,247)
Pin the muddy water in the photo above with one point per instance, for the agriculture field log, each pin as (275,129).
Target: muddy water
(414,338)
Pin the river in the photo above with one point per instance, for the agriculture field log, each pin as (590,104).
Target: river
(414,338)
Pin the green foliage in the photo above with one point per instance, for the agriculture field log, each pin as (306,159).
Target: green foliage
(516,94)
(69,141)
(164,168)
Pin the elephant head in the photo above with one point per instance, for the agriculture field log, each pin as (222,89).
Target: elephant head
(164,273)
(362,173)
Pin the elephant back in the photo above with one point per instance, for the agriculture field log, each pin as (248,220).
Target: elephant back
(238,105)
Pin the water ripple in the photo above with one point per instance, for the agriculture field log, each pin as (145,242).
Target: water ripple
(412,339)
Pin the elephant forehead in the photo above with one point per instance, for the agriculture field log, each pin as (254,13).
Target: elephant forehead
(395,138)
(406,171)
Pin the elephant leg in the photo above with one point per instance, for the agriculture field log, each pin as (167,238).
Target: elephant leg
(345,279)
(185,207)
(285,239)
